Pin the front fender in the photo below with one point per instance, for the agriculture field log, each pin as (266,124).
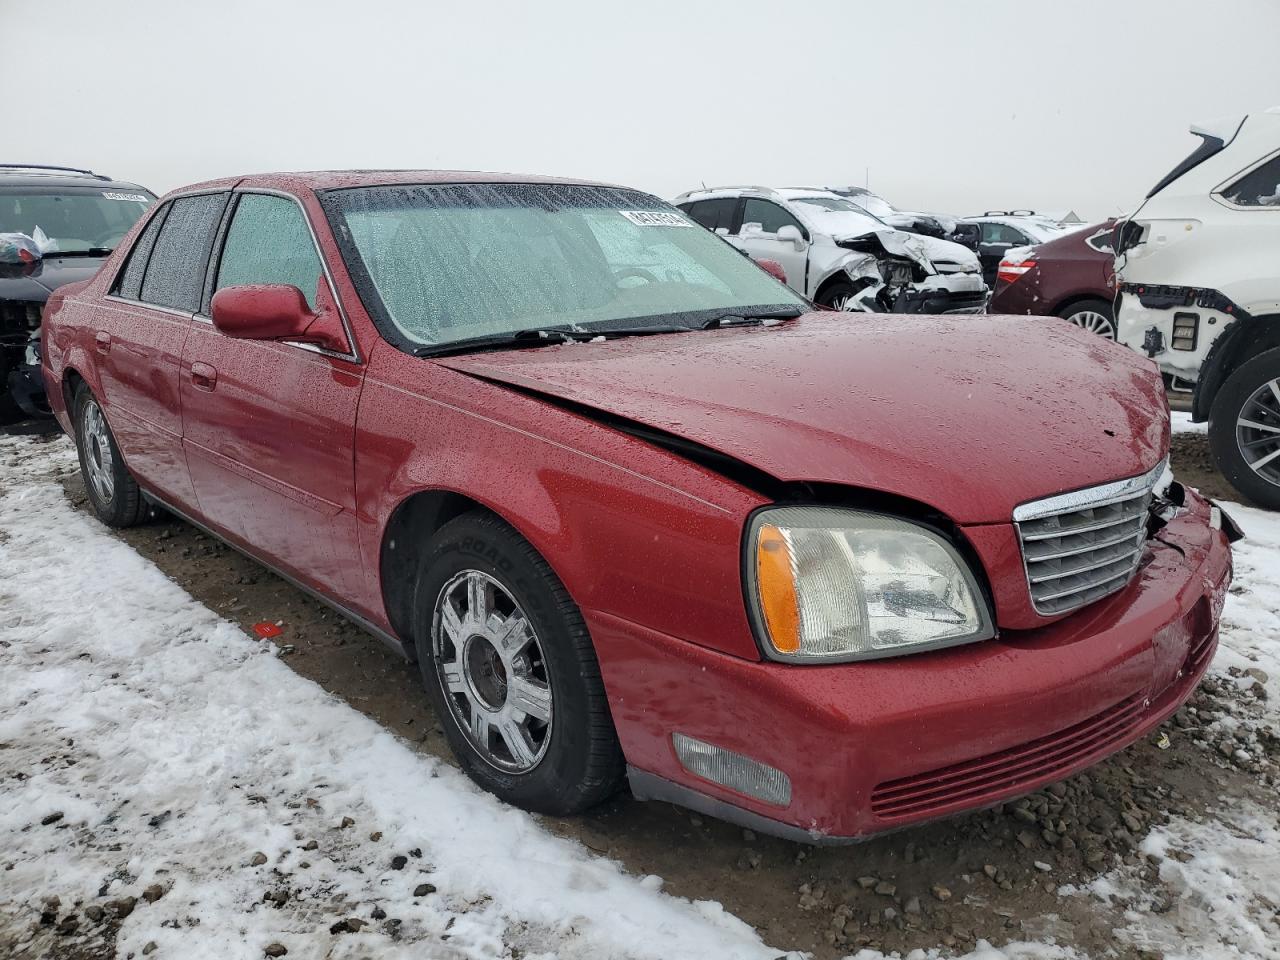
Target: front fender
(631,530)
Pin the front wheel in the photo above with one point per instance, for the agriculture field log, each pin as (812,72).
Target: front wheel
(1096,316)
(113,493)
(1244,429)
(511,670)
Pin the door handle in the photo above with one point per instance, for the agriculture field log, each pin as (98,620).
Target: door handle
(203,376)
(103,340)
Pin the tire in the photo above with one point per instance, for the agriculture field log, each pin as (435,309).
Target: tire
(1096,316)
(1248,394)
(576,759)
(113,493)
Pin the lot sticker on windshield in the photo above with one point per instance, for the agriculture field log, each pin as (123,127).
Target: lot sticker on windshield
(135,197)
(655,218)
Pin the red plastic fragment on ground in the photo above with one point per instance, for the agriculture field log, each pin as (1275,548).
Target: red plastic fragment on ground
(267,629)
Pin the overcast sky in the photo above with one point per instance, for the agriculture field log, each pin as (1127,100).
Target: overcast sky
(953,106)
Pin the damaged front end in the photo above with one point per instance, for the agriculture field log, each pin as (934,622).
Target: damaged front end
(22,394)
(895,275)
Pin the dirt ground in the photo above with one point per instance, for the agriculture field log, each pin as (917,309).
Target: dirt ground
(990,875)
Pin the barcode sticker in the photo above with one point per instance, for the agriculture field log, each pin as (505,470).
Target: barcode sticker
(655,218)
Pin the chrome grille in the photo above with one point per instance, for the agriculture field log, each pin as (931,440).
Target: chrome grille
(1079,547)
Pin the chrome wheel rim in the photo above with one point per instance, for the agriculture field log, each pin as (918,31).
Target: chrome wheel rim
(97,452)
(1258,431)
(845,304)
(492,671)
(1094,322)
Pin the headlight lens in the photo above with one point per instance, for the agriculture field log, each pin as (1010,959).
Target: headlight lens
(833,584)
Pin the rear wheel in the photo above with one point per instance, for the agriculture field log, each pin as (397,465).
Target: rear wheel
(113,492)
(1096,316)
(1244,429)
(511,670)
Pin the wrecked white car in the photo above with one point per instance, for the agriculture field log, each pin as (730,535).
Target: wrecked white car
(1198,266)
(839,255)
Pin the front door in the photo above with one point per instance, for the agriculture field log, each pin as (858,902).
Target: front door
(758,236)
(269,427)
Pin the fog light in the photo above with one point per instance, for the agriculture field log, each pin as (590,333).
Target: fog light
(1186,328)
(733,770)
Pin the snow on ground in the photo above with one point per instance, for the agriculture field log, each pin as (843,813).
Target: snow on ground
(1221,876)
(146,745)
(1180,422)
(172,748)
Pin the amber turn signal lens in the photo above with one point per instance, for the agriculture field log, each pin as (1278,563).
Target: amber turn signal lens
(775,579)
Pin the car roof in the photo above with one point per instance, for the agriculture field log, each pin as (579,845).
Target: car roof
(60,178)
(319,180)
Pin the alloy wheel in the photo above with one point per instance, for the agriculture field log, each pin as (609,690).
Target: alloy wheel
(1258,431)
(493,672)
(1094,322)
(98,458)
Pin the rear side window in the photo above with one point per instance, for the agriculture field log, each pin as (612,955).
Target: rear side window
(714,214)
(129,285)
(1259,187)
(175,271)
(269,242)
(770,216)
(1003,233)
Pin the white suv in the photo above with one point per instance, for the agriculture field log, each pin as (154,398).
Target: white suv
(838,255)
(1198,266)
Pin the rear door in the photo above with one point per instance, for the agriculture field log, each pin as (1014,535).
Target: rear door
(139,335)
(269,427)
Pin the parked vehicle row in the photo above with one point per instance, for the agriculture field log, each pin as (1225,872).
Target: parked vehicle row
(80,217)
(634,508)
(839,255)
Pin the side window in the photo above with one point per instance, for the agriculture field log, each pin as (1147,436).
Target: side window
(175,271)
(1257,188)
(713,214)
(129,283)
(770,216)
(269,242)
(1002,233)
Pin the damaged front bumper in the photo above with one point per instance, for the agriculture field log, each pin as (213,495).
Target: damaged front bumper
(885,744)
(1173,325)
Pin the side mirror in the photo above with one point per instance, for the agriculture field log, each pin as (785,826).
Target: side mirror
(773,268)
(273,311)
(791,232)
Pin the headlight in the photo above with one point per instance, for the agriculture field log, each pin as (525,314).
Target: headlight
(830,584)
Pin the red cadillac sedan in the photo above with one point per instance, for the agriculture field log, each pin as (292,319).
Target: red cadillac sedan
(635,510)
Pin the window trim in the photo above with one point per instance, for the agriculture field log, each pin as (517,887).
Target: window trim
(1218,193)
(215,261)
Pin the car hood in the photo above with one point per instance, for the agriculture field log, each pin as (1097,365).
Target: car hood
(841,225)
(35,281)
(971,416)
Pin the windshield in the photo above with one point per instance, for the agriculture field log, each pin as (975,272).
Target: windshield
(446,263)
(837,204)
(72,220)
(874,205)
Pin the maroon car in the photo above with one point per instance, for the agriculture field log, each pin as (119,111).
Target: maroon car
(1071,277)
(635,510)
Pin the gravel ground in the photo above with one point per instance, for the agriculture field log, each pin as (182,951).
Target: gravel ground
(996,876)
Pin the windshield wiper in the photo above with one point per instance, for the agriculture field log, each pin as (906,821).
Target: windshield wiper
(733,318)
(547,337)
(91,252)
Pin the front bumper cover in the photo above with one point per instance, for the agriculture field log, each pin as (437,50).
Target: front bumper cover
(881,745)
